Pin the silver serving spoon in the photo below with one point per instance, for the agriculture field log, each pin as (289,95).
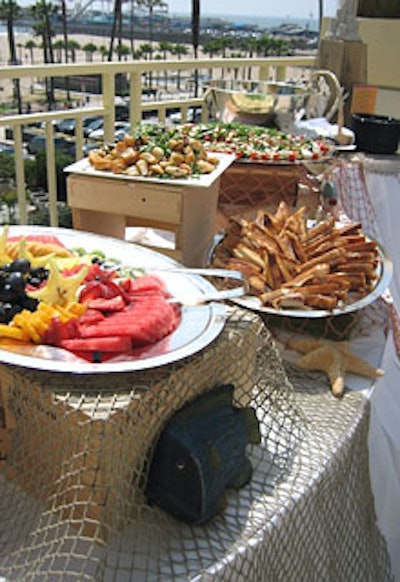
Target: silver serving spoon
(223,295)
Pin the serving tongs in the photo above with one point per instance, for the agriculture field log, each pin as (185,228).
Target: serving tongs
(207,297)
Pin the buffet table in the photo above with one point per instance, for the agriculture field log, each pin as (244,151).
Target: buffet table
(75,453)
(71,487)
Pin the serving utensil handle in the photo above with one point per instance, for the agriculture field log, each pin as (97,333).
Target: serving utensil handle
(223,295)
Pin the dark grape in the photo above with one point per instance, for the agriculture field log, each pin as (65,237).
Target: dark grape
(29,303)
(17,282)
(20,266)
(39,274)
(11,309)
(13,279)
(34,281)
(7,294)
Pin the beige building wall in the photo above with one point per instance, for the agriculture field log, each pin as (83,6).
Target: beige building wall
(382,37)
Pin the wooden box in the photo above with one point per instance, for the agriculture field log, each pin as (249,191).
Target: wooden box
(107,206)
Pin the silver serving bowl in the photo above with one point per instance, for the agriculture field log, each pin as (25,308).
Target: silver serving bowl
(254,102)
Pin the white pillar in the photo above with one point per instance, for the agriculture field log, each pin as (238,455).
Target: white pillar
(345,25)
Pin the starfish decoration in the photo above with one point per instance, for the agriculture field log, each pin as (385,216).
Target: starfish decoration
(59,289)
(333,358)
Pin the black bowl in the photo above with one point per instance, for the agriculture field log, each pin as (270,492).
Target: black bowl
(376,134)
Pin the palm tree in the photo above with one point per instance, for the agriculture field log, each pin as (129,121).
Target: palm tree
(165,47)
(320,14)
(116,30)
(211,48)
(89,49)
(73,46)
(65,37)
(151,5)
(133,4)
(179,50)
(145,51)
(123,51)
(59,47)
(9,11)
(30,45)
(43,12)
(195,39)
(103,51)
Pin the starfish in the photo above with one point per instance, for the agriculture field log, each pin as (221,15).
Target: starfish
(59,289)
(333,358)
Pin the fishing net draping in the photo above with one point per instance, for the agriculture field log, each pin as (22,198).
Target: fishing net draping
(76,453)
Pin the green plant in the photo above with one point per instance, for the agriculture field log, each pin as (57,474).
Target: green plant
(40,216)
(7,167)
(9,198)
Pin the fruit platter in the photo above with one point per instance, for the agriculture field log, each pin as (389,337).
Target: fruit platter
(77,302)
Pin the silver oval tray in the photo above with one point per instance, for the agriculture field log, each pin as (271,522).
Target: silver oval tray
(384,276)
(200,324)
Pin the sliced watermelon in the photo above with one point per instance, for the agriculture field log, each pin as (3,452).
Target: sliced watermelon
(145,284)
(116,303)
(58,331)
(104,344)
(143,322)
(90,317)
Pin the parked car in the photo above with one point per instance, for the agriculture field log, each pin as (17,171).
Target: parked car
(93,125)
(65,126)
(193,115)
(68,126)
(38,144)
(28,131)
(121,128)
(7,149)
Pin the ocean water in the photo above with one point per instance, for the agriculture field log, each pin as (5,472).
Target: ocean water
(266,21)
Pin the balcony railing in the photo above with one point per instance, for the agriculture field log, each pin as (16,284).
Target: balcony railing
(272,68)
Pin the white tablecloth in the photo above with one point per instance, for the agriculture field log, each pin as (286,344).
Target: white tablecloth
(384,441)
(382,210)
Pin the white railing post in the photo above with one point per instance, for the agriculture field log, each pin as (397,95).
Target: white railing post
(20,173)
(51,173)
(135,97)
(263,74)
(79,138)
(108,89)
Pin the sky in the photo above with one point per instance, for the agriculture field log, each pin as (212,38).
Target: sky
(280,8)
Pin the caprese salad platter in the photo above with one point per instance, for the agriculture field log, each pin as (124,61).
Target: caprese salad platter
(77,302)
(247,143)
